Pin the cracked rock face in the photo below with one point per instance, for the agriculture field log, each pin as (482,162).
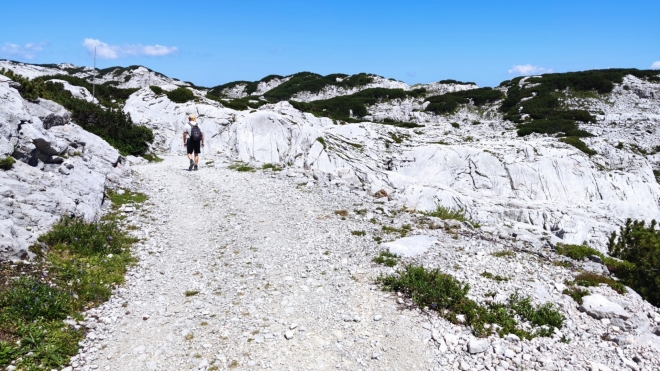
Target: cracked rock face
(61,169)
(535,187)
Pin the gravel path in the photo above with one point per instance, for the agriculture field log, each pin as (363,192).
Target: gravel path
(249,271)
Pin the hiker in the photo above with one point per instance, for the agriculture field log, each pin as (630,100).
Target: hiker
(192,144)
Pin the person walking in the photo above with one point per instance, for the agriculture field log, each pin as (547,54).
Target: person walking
(193,143)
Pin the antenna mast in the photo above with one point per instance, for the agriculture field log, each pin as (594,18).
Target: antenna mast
(94,79)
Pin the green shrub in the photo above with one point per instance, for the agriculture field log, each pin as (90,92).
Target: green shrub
(639,245)
(443,293)
(105,94)
(239,104)
(181,95)
(126,197)
(576,293)
(455,125)
(588,279)
(7,163)
(358,233)
(577,252)
(577,143)
(156,89)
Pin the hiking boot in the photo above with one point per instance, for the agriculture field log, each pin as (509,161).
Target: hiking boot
(195,167)
(191,165)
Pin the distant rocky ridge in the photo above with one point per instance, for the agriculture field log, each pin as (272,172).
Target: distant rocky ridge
(535,187)
(122,77)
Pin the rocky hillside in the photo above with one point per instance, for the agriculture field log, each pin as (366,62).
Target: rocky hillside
(541,187)
(58,169)
(121,77)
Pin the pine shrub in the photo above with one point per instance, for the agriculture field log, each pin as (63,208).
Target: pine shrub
(639,244)
(181,95)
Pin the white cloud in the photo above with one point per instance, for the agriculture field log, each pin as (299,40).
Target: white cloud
(27,51)
(105,51)
(528,69)
(655,65)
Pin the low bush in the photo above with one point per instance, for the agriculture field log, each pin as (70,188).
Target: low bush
(152,157)
(7,163)
(577,252)
(577,143)
(181,95)
(272,167)
(588,279)
(84,263)
(358,233)
(443,293)
(156,89)
(108,95)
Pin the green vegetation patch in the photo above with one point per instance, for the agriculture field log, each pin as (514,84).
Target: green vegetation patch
(358,233)
(490,276)
(403,231)
(156,89)
(538,100)
(341,108)
(503,254)
(638,245)
(387,259)
(589,279)
(445,213)
(273,167)
(124,197)
(443,293)
(314,83)
(577,252)
(239,104)
(577,143)
(448,103)
(77,266)
(152,157)
(7,163)
(241,167)
(181,95)
(576,293)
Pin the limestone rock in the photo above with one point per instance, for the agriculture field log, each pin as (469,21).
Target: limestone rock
(598,306)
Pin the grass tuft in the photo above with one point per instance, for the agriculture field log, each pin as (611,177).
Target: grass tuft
(190,293)
(497,278)
(358,233)
(240,167)
(127,197)
(152,158)
(576,293)
(273,167)
(446,213)
(386,258)
(343,213)
(7,163)
(503,254)
(588,279)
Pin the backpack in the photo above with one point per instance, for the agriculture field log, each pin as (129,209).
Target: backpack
(196,133)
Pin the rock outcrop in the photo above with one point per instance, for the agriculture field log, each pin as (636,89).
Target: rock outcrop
(538,188)
(61,170)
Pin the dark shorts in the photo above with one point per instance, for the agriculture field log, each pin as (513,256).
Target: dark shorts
(194,146)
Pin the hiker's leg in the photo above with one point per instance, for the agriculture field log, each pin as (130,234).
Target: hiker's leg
(196,158)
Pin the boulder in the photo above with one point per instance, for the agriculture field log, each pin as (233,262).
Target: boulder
(410,246)
(478,346)
(598,306)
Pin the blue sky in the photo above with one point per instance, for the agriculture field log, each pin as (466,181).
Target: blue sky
(213,42)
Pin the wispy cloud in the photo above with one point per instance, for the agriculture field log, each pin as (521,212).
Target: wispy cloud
(411,74)
(528,69)
(655,65)
(27,51)
(106,51)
